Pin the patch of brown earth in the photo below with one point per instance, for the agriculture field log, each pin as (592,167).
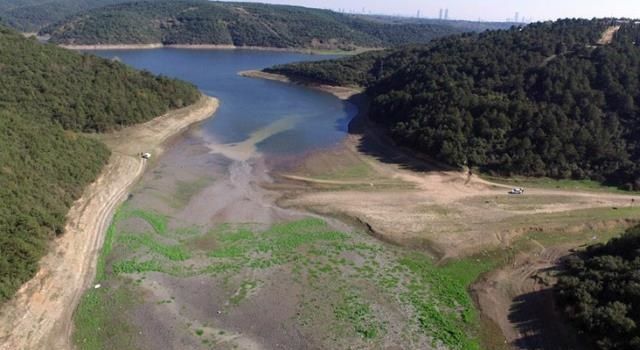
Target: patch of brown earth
(519,299)
(608,34)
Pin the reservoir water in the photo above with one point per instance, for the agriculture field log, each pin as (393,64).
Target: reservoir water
(292,119)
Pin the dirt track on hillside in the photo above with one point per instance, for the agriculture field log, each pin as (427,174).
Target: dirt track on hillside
(40,315)
(519,299)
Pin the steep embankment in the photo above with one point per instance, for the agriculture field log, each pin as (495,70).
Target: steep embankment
(550,99)
(47,97)
(236,24)
(40,315)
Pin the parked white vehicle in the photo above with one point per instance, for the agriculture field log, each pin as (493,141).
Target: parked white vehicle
(518,191)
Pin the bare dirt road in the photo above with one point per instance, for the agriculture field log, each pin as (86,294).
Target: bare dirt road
(40,315)
(519,299)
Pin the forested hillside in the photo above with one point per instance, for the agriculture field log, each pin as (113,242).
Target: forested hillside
(240,24)
(467,26)
(33,15)
(600,292)
(47,96)
(543,100)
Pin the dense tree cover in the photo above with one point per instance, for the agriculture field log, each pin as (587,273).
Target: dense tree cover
(47,94)
(240,24)
(33,15)
(82,92)
(361,70)
(540,100)
(600,292)
(42,170)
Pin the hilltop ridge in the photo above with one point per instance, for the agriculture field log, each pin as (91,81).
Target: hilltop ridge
(196,22)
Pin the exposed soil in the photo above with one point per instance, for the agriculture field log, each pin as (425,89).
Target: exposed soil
(233,195)
(519,299)
(416,202)
(454,214)
(607,36)
(397,196)
(40,315)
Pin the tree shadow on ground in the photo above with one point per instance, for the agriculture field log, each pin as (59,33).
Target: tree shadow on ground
(541,324)
(376,142)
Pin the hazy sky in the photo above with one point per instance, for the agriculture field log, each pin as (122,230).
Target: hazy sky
(494,10)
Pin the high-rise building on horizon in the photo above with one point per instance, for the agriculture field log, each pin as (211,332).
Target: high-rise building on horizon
(517,17)
(446,14)
(441,14)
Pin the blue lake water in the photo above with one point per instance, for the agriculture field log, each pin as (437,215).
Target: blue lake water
(304,119)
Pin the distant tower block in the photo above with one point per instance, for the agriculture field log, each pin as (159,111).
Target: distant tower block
(441,14)
(418,14)
(517,17)
(446,14)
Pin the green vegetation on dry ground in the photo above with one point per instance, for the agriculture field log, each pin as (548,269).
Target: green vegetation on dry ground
(47,97)
(435,299)
(347,279)
(98,321)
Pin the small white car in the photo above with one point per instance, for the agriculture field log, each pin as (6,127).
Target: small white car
(517,191)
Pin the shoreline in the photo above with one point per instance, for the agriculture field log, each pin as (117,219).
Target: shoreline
(492,291)
(40,315)
(341,92)
(310,51)
(357,127)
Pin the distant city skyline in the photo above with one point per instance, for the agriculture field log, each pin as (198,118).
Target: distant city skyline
(488,10)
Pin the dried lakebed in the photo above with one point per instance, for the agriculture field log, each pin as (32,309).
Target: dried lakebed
(202,256)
